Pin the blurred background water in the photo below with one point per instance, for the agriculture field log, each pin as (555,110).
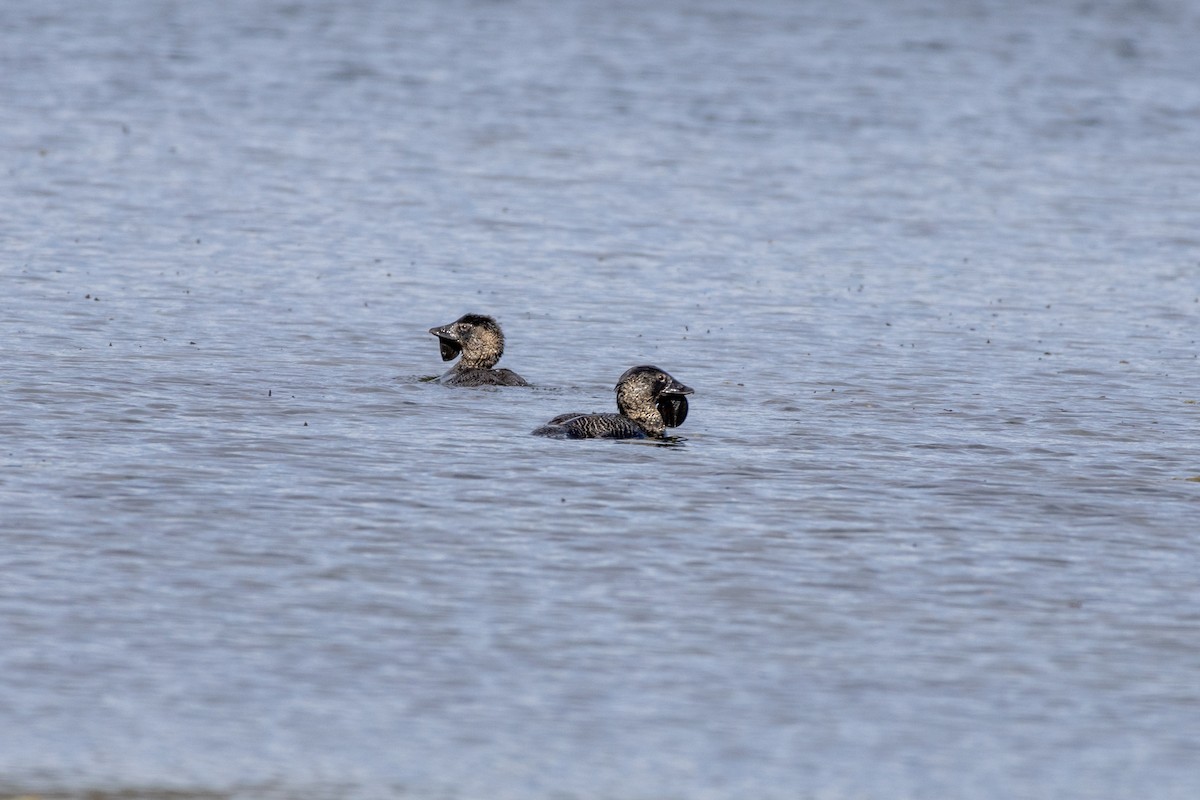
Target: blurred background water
(932,267)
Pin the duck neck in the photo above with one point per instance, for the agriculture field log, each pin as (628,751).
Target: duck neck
(639,406)
(482,351)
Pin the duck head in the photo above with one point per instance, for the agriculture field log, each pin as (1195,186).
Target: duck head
(652,398)
(477,337)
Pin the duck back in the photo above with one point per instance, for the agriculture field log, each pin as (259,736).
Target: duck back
(591,426)
(478,376)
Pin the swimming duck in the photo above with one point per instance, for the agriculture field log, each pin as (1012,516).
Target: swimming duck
(479,340)
(649,401)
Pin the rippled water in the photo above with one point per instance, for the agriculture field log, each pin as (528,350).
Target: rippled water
(932,268)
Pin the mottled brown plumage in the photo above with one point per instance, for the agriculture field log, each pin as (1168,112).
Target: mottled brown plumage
(648,401)
(480,341)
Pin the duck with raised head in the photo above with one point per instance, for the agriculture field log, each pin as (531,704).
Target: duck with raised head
(648,401)
(479,339)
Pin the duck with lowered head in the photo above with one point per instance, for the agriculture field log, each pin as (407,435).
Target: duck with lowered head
(648,401)
(479,339)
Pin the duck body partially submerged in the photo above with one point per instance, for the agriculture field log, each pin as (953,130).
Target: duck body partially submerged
(480,342)
(649,401)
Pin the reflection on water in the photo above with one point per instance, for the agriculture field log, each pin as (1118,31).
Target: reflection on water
(928,531)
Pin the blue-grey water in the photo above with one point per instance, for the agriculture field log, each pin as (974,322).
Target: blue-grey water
(932,268)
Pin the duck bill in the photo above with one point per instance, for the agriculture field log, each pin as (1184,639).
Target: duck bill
(675,387)
(672,403)
(449,345)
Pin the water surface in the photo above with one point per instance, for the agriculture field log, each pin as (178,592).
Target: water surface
(931,267)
